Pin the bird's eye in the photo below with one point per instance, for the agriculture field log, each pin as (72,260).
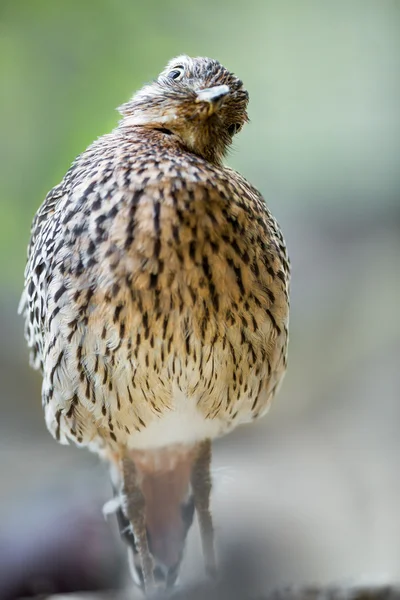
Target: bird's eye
(234,128)
(176,73)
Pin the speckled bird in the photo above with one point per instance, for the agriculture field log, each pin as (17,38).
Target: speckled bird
(156,305)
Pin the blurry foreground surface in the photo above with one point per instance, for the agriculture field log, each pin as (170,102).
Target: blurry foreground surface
(311,494)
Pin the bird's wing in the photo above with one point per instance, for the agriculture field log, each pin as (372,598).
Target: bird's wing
(31,305)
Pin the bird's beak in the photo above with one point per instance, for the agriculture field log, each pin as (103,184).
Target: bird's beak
(213,97)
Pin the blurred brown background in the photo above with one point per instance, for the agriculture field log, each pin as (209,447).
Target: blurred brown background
(312,493)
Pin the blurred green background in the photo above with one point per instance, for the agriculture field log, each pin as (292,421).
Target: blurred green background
(314,489)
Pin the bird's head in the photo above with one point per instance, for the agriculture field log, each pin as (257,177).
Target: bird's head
(166,548)
(195,99)
(166,511)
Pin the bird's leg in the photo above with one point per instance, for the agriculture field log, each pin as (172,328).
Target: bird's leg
(201,486)
(134,504)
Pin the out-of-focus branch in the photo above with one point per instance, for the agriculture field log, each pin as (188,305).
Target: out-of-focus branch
(207,592)
(387,592)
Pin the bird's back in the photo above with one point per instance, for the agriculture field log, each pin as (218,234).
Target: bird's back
(156,298)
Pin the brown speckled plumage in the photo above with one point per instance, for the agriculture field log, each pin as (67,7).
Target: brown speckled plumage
(157,280)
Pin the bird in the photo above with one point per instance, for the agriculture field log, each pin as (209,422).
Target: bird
(156,306)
